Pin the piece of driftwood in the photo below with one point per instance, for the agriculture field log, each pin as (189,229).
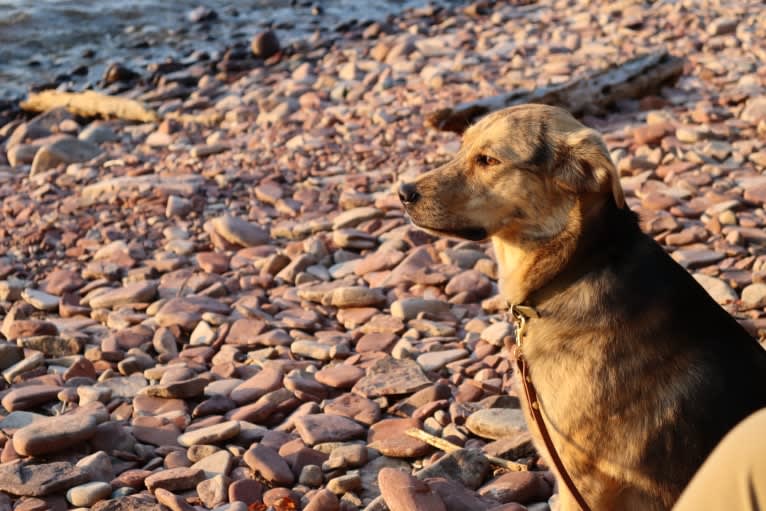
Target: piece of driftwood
(90,104)
(449,447)
(589,94)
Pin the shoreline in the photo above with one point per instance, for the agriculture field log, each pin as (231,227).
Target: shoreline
(189,32)
(228,306)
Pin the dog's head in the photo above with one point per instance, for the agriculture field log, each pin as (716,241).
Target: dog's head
(517,173)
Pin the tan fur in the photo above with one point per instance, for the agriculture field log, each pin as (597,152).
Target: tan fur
(624,368)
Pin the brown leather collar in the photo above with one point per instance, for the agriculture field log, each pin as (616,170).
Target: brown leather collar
(520,316)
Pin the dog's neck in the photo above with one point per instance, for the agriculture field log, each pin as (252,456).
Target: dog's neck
(527,264)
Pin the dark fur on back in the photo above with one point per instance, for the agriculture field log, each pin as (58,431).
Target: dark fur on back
(676,367)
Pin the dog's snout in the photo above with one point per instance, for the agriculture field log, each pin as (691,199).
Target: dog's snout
(408,193)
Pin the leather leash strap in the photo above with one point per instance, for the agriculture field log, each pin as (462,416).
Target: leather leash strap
(520,315)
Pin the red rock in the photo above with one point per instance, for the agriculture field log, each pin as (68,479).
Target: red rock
(30,396)
(323,500)
(213,262)
(320,428)
(355,407)
(340,376)
(272,467)
(267,380)
(246,490)
(521,487)
(388,436)
(402,492)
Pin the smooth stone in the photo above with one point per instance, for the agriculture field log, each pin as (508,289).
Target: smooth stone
(496,423)
(435,360)
(270,465)
(85,495)
(138,292)
(389,376)
(175,479)
(37,480)
(403,492)
(321,428)
(210,434)
(55,433)
(239,232)
(390,438)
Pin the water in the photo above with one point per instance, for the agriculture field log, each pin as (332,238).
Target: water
(41,40)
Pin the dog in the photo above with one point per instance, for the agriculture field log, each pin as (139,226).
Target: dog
(639,372)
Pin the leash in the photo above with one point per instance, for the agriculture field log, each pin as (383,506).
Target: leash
(520,315)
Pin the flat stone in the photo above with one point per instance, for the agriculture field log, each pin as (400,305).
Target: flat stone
(140,502)
(409,308)
(218,463)
(55,433)
(355,216)
(497,333)
(435,360)
(186,312)
(248,491)
(175,479)
(172,501)
(354,407)
(252,389)
(389,376)
(37,480)
(240,232)
(466,466)
(51,345)
(138,292)
(211,434)
(270,465)
(85,495)
(323,500)
(403,492)
(184,389)
(179,184)
(356,296)
(40,300)
(340,376)
(520,487)
(389,437)
(30,396)
(496,423)
(321,428)
(65,150)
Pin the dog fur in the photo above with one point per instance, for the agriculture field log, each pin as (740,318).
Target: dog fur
(639,371)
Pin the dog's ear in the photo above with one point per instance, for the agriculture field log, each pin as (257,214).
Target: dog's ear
(588,166)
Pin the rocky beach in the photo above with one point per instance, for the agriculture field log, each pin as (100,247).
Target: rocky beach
(224,307)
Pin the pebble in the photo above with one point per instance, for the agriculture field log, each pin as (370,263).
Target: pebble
(211,434)
(321,428)
(55,433)
(85,495)
(496,423)
(402,492)
(269,464)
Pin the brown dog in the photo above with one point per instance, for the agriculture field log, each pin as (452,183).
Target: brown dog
(639,372)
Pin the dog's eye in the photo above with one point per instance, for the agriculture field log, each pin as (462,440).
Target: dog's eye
(486,161)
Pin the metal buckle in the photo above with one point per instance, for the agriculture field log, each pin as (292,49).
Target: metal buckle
(520,314)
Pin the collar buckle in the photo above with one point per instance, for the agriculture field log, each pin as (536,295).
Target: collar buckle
(519,315)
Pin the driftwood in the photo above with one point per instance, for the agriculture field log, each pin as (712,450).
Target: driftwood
(449,447)
(591,93)
(90,104)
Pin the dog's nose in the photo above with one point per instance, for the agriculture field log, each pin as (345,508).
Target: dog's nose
(408,193)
